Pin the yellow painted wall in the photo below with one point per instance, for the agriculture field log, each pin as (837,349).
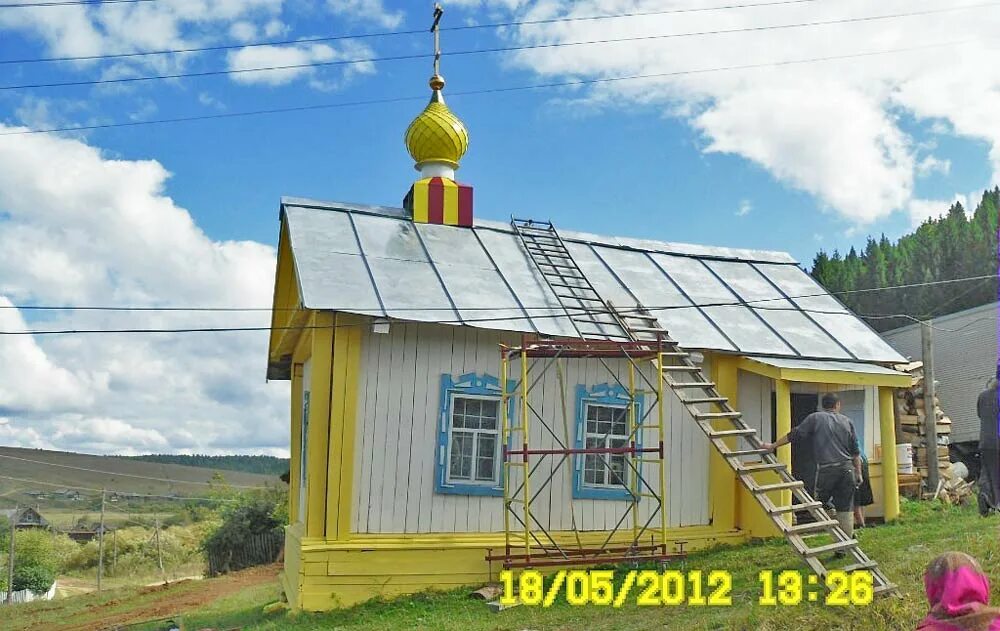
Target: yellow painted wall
(722,480)
(328,566)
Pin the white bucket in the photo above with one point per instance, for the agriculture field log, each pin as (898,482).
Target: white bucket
(904,457)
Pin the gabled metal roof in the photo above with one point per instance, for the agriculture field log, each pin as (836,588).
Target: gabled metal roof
(374,261)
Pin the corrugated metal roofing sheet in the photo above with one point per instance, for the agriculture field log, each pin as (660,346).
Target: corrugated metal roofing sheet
(374,261)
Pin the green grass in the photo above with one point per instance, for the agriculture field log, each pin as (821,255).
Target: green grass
(903,549)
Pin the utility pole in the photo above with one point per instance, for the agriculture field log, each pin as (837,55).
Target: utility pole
(930,406)
(159,551)
(100,545)
(114,558)
(10,558)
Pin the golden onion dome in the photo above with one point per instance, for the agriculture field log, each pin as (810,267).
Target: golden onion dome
(436,134)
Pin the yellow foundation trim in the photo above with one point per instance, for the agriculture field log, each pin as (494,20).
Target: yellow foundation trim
(343,424)
(335,574)
(450,202)
(890,477)
(721,477)
(420,202)
(291,577)
(319,423)
(839,377)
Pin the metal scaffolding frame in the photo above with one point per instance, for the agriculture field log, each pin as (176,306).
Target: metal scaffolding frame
(528,542)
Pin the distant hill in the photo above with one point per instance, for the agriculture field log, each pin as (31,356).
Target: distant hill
(265,465)
(30,476)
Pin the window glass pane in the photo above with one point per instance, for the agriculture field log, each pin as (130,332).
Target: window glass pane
(593,470)
(473,407)
(608,428)
(459,405)
(490,414)
(617,474)
(460,466)
(486,457)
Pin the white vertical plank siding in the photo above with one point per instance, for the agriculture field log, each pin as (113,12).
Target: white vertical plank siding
(364,437)
(396,453)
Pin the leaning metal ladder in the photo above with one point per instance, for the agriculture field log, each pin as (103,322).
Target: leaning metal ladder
(685,378)
(593,317)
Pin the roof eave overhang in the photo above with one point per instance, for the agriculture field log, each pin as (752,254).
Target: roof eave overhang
(826,376)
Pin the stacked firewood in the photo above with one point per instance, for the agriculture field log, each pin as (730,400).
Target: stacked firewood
(952,487)
(910,426)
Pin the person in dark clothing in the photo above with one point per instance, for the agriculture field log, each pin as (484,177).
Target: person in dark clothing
(863,496)
(989,450)
(838,459)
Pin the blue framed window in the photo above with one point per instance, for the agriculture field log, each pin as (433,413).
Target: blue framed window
(468,447)
(602,422)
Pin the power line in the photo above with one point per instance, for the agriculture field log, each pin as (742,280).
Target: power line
(555,313)
(332,38)
(126,475)
(522,88)
(845,292)
(480,51)
(67,3)
(86,488)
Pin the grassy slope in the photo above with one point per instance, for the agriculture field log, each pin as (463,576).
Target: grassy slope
(903,549)
(11,491)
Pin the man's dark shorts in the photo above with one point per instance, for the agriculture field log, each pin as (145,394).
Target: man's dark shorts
(836,482)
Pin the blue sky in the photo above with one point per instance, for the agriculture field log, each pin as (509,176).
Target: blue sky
(629,168)
(790,157)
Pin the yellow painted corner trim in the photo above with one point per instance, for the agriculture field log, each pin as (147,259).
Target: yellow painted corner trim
(346,368)
(840,377)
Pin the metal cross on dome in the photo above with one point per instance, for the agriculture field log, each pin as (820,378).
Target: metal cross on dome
(438,12)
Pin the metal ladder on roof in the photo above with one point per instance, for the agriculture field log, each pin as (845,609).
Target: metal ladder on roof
(590,314)
(685,379)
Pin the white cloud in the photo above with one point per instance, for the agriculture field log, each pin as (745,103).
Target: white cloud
(243,31)
(126,28)
(208,100)
(829,128)
(366,10)
(745,208)
(919,210)
(104,232)
(320,77)
(930,165)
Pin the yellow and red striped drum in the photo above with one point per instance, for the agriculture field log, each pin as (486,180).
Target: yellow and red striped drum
(440,200)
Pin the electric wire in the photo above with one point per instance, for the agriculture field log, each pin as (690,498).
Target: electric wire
(500,90)
(550,307)
(464,27)
(480,51)
(67,3)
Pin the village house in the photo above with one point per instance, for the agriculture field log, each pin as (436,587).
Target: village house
(25,518)
(408,424)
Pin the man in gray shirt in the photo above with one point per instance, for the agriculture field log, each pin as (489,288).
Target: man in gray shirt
(838,460)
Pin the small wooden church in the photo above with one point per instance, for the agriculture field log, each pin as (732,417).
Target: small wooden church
(400,331)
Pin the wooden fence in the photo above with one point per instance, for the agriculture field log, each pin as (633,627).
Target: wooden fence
(259,549)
